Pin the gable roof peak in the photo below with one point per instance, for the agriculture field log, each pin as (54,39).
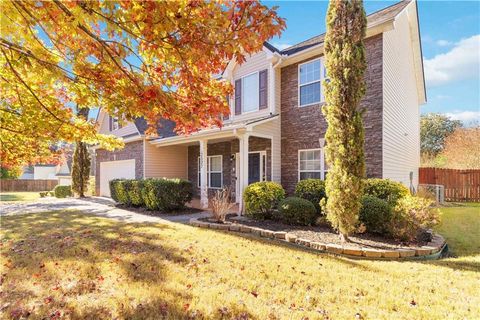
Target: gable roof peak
(373,19)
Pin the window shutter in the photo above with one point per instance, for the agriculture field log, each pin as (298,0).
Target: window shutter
(110,123)
(263,92)
(225,117)
(238,96)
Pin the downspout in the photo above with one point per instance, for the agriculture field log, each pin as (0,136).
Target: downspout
(273,150)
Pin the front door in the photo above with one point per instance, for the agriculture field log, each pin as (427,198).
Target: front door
(254,167)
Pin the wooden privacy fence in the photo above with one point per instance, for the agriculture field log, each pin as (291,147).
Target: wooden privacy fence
(15,185)
(460,185)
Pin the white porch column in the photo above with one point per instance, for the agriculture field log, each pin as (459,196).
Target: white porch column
(203,174)
(243,174)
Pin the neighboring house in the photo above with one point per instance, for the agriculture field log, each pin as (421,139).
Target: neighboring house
(276,128)
(60,172)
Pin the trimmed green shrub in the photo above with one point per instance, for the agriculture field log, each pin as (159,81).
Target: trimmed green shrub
(412,215)
(62,191)
(261,198)
(114,185)
(385,189)
(375,214)
(294,210)
(166,194)
(135,193)
(43,194)
(312,190)
(123,191)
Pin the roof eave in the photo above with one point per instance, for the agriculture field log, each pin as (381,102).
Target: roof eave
(317,49)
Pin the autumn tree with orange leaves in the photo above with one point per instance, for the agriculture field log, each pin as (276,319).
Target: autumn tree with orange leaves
(152,59)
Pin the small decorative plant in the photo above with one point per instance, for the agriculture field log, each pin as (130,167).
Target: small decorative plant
(221,205)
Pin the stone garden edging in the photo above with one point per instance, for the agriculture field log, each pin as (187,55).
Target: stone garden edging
(431,250)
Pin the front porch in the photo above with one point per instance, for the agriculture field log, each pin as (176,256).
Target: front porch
(229,158)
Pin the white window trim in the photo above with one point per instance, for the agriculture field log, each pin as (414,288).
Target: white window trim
(263,164)
(322,163)
(209,171)
(243,91)
(322,77)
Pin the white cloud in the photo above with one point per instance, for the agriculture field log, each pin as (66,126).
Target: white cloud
(281,46)
(443,43)
(464,116)
(461,62)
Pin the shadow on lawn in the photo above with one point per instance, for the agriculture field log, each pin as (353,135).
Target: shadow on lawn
(40,248)
(455,264)
(41,252)
(72,236)
(354,263)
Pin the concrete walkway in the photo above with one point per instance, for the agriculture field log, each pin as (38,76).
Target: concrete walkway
(100,206)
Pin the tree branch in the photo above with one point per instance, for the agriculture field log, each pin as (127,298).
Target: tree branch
(28,87)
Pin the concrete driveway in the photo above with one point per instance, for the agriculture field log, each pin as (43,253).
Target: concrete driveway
(100,206)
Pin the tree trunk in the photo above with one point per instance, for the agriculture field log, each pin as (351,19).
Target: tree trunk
(81,163)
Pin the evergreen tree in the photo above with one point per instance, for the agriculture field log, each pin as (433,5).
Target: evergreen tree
(81,163)
(346,64)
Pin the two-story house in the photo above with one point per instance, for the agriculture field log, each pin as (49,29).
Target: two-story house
(276,129)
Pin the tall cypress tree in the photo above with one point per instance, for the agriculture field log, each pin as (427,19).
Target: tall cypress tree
(81,163)
(346,64)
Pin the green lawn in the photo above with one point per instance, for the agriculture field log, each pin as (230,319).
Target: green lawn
(85,267)
(19,196)
(461,228)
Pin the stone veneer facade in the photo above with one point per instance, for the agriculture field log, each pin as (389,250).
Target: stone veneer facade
(303,127)
(226,149)
(132,150)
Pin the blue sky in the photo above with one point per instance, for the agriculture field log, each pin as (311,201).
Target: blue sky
(450,32)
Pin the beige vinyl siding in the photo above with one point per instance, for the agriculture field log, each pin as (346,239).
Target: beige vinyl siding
(278,88)
(128,128)
(165,162)
(254,63)
(401,115)
(272,129)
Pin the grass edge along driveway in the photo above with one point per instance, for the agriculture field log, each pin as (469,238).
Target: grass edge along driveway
(80,266)
(19,196)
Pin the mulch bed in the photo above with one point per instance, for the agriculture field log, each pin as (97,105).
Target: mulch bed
(145,211)
(325,234)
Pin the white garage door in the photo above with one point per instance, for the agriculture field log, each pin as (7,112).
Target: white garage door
(115,170)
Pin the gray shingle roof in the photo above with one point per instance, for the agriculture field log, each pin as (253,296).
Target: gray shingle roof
(373,19)
(165,128)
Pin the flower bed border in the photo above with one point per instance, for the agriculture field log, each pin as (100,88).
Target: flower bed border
(432,250)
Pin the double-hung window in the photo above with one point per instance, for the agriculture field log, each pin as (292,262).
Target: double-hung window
(114,123)
(214,172)
(251,92)
(311,164)
(310,77)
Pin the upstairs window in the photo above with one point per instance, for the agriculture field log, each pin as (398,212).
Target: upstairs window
(310,76)
(251,92)
(114,123)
